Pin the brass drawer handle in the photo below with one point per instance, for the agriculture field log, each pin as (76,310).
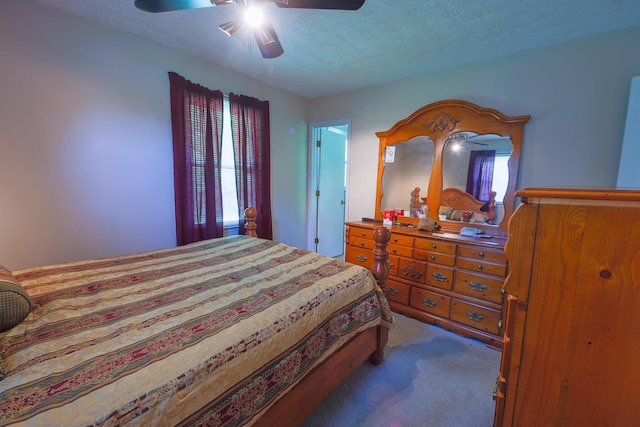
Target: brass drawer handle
(362,243)
(481,254)
(433,257)
(393,250)
(362,258)
(480,267)
(475,316)
(393,291)
(411,271)
(395,240)
(363,233)
(439,277)
(429,302)
(434,246)
(478,286)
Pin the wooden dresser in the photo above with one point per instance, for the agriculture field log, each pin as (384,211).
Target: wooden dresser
(571,353)
(440,278)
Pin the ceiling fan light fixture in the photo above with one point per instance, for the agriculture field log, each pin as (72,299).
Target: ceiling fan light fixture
(253,16)
(458,138)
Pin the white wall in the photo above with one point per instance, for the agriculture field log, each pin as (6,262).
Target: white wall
(85,139)
(575,92)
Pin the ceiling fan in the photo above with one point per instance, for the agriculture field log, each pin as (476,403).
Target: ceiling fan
(461,138)
(265,34)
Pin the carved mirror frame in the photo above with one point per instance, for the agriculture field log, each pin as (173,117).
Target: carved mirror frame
(438,121)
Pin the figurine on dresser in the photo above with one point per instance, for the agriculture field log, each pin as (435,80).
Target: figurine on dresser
(417,207)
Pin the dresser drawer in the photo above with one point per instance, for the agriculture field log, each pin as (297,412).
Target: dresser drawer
(439,276)
(364,258)
(398,292)
(361,242)
(488,255)
(435,246)
(478,286)
(440,258)
(401,239)
(475,316)
(412,270)
(359,256)
(392,265)
(430,302)
(406,251)
(481,266)
(360,233)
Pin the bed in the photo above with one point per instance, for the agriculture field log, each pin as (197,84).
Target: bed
(230,331)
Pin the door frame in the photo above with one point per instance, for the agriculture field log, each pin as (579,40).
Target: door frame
(313,171)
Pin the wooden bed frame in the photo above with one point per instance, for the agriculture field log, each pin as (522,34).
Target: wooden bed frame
(293,408)
(458,199)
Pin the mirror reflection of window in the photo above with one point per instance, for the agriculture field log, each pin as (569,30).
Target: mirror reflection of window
(501,175)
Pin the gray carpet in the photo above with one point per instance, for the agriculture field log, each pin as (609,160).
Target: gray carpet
(430,377)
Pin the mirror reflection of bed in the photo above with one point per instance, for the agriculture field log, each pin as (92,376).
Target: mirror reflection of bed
(463,207)
(477,166)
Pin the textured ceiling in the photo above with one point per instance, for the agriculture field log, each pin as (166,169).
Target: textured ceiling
(328,52)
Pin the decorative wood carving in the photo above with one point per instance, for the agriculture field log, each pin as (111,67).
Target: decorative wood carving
(441,122)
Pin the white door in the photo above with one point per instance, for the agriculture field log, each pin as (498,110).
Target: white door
(328,188)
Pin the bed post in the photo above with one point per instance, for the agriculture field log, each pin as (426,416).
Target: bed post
(250,222)
(380,269)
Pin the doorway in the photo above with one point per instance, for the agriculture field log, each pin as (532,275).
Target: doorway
(327,187)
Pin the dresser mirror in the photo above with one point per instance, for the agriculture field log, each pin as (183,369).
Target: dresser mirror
(478,165)
(464,160)
(408,167)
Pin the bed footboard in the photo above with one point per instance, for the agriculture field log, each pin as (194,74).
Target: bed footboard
(296,405)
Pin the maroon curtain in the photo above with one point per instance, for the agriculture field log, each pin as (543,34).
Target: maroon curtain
(196,119)
(480,175)
(250,133)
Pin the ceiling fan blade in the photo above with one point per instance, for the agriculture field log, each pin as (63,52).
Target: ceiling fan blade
(268,41)
(229,28)
(168,5)
(321,4)
(469,139)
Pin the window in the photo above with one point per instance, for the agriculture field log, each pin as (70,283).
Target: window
(210,167)
(227,165)
(198,156)
(228,179)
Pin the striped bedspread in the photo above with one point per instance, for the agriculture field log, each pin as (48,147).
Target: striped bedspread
(218,329)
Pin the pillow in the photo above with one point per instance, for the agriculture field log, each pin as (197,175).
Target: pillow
(478,218)
(455,215)
(15,303)
(445,210)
